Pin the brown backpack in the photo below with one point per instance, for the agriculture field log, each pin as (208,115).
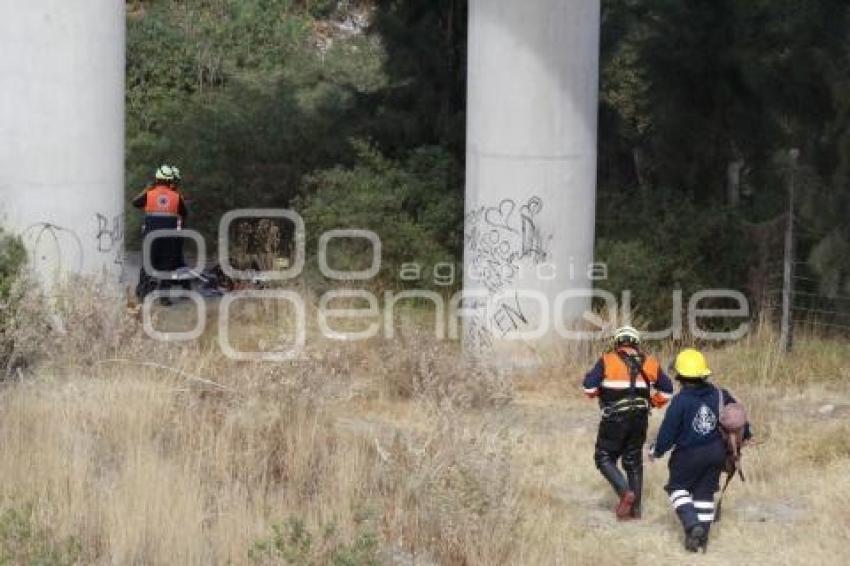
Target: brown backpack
(732,423)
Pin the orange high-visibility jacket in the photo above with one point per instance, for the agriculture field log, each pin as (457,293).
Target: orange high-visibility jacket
(617,372)
(609,380)
(616,376)
(161,200)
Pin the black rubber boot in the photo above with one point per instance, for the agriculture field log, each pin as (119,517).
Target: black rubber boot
(696,538)
(706,527)
(612,473)
(635,478)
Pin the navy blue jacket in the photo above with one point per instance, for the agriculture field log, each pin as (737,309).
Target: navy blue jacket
(692,419)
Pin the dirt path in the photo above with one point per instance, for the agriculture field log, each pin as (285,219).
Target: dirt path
(785,514)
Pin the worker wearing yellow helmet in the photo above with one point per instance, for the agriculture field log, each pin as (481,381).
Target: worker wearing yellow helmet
(692,428)
(623,380)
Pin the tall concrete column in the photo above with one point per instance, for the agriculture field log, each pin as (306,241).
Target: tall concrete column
(531,171)
(62,132)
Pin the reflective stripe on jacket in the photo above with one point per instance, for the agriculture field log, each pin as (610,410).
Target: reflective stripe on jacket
(610,380)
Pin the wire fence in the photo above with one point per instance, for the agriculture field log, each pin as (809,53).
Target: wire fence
(810,305)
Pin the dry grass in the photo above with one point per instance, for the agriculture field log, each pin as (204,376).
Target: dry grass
(147,453)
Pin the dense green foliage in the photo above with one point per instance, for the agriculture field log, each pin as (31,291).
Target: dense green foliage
(701,104)
(412,205)
(283,102)
(235,93)
(12,258)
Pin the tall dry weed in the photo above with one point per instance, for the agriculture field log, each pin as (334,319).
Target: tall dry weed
(161,453)
(423,368)
(79,322)
(452,493)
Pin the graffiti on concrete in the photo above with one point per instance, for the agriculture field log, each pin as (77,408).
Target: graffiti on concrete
(50,243)
(499,240)
(110,236)
(509,317)
(532,240)
(499,237)
(110,233)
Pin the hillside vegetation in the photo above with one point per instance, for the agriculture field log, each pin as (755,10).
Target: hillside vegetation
(353,113)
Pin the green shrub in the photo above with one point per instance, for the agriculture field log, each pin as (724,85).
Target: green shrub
(236,93)
(294,543)
(661,244)
(321,8)
(12,258)
(22,541)
(414,205)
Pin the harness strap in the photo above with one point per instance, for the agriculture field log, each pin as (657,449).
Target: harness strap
(625,405)
(633,402)
(635,368)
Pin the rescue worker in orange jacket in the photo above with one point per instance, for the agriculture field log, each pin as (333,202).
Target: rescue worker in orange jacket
(623,380)
(163,205)
(164,209)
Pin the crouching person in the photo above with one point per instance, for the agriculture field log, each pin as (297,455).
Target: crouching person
(622,380)
(691,427)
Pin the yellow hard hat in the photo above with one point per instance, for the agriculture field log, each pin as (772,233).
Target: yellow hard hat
(691,364)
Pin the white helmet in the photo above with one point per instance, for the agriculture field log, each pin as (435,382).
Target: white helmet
(165,173)
(175,172)
(627,335)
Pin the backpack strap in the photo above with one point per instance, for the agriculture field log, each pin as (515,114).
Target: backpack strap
(720,403)
(719,507)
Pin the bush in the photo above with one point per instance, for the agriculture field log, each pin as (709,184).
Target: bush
(422,368)
(24,542)
(457,490)
(683,247)
(84,321)
(414,205)
(293,543)
(12,259)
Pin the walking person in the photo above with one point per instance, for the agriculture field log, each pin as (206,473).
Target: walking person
(623,380)
(692,428)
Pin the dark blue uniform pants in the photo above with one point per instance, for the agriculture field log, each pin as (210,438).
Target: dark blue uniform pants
(694,479)
(166,254)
